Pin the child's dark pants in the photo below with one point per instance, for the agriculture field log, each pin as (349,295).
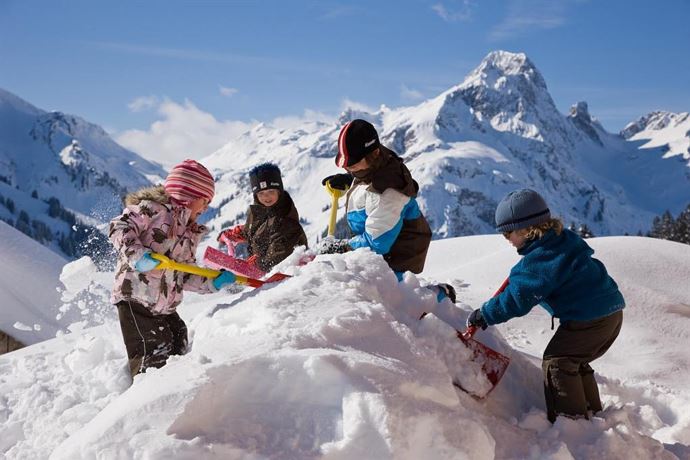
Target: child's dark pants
(150,339)
(569,385)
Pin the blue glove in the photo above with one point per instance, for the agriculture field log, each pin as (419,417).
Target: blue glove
(224,278)
(146,263)
(477,320)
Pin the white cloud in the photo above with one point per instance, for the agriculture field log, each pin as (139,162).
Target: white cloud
(183,131)
(358,106)
(341,11)
(228,92)
(410,94)
(309,116)
(529,15)
(143,103)
(460,13)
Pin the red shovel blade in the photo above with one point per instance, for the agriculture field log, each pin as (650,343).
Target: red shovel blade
(218,259)
(494,364)
(274,278)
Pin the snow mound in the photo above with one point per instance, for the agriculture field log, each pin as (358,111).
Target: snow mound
(331,363)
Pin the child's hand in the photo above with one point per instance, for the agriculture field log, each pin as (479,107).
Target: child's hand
(477,320)
(333,246)
(146,263)
(338,181)
(224,278)
(233,234)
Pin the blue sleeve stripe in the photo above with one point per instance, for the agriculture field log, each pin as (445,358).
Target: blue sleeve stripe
(356,220)
(380,245)
(411,210)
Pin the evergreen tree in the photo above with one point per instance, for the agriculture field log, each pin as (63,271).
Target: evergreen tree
(668,228)
(683,226)
(584,231)
(663,226)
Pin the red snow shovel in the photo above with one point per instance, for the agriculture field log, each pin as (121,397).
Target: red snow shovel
(494,364)
(168,264)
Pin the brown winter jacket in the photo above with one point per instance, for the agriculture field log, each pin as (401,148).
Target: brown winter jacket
(273,232)
(150,222)
(386,199)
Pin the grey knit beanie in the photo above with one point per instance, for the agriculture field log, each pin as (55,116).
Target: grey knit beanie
(521,209)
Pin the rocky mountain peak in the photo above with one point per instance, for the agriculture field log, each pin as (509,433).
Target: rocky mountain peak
(654,121)
(580,117)
(499,68)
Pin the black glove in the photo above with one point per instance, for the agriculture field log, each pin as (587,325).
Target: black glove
(476,319)
(333,246)
(338,181)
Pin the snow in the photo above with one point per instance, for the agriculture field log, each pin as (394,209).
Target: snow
(334,363)
(28,282)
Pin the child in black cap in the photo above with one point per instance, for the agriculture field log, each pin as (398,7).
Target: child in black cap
(381,204)
(272,229)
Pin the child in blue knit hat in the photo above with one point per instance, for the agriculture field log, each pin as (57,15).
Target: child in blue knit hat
(558,272)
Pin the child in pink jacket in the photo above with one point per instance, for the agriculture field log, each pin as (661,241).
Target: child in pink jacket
(160,219)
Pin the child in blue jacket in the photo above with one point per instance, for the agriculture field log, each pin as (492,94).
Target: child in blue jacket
(558,272)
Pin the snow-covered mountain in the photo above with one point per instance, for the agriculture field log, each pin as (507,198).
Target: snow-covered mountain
(334,363)
(670,131)
(496,131)
(53,165)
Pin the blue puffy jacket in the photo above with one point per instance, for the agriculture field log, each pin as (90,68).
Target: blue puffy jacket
(558,272)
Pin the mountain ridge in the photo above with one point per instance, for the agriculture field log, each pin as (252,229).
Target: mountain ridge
(497,130)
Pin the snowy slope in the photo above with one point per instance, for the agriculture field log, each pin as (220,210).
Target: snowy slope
(29,301)
(333,363)
(41,297)
(496,131)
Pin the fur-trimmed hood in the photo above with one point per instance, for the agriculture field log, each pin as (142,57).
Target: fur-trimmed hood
(155,193)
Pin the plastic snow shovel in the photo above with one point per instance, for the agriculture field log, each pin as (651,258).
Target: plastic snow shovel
(169,264)
(218,259)
(494,364)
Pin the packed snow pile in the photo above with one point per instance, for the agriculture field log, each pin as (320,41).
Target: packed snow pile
(334,363)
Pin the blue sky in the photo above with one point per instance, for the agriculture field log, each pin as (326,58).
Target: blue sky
(127,65)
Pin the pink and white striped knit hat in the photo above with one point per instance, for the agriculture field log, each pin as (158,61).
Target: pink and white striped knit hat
(189,181)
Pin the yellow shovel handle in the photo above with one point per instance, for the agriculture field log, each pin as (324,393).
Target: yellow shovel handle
(166,263)
(335,196)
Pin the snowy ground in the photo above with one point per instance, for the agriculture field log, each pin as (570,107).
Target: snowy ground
(333,363)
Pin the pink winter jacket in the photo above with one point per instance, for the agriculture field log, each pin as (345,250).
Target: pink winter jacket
(150,222)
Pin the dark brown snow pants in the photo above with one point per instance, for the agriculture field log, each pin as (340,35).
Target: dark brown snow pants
(150,339)
(569,385)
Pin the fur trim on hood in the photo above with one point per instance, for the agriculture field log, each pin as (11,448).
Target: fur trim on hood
(156,194)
